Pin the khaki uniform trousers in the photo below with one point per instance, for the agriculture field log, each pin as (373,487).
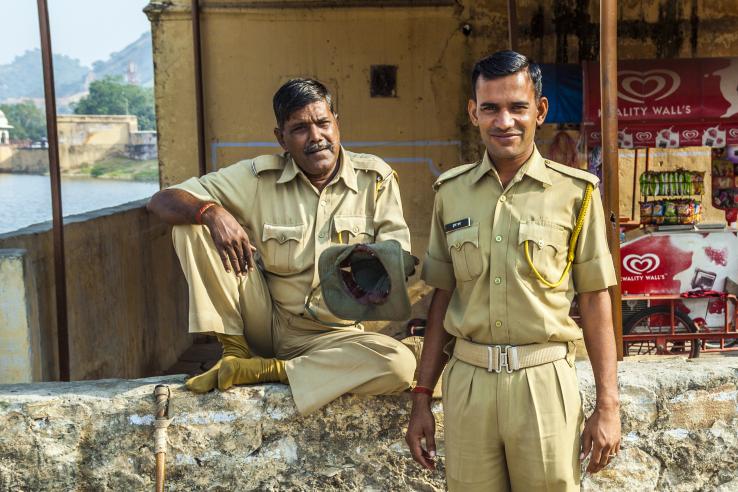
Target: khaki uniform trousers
(518,431)
(323,363)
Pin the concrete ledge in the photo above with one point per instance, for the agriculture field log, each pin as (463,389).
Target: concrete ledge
(680,432)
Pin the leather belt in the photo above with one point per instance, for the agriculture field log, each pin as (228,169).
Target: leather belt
(495,358)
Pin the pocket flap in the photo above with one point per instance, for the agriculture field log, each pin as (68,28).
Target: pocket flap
(543,235)
(354,224)
(456,239)
(282,233)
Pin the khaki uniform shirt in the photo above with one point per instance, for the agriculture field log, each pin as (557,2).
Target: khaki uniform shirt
(476,246)
(291,223)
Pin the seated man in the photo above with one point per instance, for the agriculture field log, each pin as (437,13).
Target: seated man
(253,268)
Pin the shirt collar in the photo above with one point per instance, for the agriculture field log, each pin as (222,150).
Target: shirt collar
(346,171)
(535,167)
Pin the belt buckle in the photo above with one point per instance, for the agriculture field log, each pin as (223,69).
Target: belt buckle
(502,356)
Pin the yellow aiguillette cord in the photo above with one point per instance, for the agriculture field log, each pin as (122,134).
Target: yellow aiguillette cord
(572,242)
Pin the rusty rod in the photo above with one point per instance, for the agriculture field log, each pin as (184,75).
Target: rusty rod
(512,24)
(200,116)
(60,277)
(609,105)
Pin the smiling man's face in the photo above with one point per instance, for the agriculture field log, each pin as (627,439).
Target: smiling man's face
(507,114)
(312,138)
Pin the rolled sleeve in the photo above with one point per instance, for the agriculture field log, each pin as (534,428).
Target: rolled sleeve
(233,187)
(438,269)
(196,189)
(438,274)
(595,274)
(593,268)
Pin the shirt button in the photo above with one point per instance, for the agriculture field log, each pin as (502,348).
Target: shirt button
(323,202)
(498,280)
(503,198)
(282,238)
(356,229)
(321,235)
(498,323)
(498,238)
(540,243)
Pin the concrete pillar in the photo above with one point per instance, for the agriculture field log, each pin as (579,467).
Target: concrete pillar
(19,333)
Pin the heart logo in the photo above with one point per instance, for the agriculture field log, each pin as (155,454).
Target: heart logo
(733,132)
(639,264)
(636,86)
(642,136)
(690,134)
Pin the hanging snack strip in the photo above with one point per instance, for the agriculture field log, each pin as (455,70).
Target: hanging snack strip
(672,183)
(671,212)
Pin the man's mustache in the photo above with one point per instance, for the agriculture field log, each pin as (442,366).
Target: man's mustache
(317,147)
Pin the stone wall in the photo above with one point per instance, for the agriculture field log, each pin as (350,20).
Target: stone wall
(126,295)
(27,161)
(680,428)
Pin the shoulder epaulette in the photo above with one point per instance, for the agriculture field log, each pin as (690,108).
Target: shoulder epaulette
(369,162)
(573,172)
(267,163)
(452,173)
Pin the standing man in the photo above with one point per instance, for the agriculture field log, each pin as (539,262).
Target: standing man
(249,237)
(514,237)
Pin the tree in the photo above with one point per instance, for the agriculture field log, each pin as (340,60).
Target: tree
(112,96)
(28,121)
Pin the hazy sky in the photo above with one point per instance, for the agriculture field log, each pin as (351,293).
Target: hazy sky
(85,29)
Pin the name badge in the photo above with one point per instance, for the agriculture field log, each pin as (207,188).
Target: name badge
(455,226)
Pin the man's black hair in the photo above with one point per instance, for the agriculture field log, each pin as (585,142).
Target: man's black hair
(504,63)
(296,94)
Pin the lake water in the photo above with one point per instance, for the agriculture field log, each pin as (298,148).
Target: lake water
(26,199)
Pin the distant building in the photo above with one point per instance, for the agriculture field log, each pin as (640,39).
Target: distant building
(4,130)
(132,73)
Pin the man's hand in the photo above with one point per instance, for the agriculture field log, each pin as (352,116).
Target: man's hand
(422,425)
(601,436)
(230,240)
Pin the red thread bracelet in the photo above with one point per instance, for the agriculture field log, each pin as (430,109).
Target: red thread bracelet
(198,215)
(422,390)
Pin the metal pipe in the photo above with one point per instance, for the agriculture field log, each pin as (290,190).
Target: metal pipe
(60,277)
(512,24)
(609,105)
(200,116)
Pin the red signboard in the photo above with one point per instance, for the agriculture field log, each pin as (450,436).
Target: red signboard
(667,134)
(696,89)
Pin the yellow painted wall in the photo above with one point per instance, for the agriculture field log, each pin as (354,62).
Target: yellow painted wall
(250,48)
(248,53)
(86,139)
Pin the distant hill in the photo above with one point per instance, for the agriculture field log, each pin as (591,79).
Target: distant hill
(23,77)
(138,53)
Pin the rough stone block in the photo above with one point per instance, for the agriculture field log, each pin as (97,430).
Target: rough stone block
(98,435)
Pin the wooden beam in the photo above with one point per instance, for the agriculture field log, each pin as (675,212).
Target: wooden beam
(609,105)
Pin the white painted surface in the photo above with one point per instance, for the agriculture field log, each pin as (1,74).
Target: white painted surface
(16,357)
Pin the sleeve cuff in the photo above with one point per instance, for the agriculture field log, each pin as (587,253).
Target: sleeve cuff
(438,274)
(196,189)
(595,274)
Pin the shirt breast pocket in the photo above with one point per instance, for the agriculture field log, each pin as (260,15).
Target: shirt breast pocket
(547,249)
(281,245)
(353,229)
(463,245)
